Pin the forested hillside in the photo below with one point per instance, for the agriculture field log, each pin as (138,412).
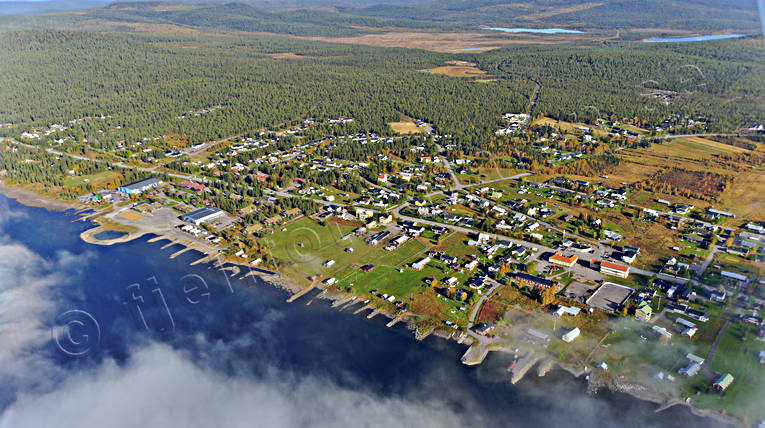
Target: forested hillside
(723,81)
(582,14)
(625,19)
(141,86)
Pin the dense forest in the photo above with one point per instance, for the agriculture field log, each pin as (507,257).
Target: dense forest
(305,19)
(127,86)
(579,14)
(141,86)
(722,81)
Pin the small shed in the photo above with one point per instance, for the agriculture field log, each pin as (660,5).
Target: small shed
(571,335)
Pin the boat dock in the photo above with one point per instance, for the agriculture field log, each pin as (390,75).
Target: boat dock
(343,301)
(475,354)
(523,365)
(179,252)
(395,321)
(423,335)
(300,293)
(205,259)
(363,308)
(168,245)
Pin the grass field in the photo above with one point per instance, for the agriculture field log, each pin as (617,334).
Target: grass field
(731,263)
(488,173)
(319,244)
(568,126)
(432,41)
(405,126)
(739,358)
(96,180)
(694,154)
(745,197)
(457,71)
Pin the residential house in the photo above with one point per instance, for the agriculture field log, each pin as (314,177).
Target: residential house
(643,311)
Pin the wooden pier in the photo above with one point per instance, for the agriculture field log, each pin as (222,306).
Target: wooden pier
(475,354)
(300,294)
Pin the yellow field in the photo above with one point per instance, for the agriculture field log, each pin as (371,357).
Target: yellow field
(566,126)
(746,197)
(405,126)
(626,172)
(287,55)
(130,215)
(457,71)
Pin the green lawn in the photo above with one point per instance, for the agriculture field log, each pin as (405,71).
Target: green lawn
(739,358)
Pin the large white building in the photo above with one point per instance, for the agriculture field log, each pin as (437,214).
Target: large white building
(202,215)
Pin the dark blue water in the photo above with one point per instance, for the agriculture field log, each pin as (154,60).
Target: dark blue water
(246,331)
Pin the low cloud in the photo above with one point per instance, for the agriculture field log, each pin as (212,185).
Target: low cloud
(29,289)
(7,213)
(160,386)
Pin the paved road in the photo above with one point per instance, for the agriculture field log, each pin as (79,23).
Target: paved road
(534,99)
(668,137)
(714,346)
(706,263)
(445,161)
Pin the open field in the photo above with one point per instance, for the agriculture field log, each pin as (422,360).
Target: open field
(488,173)
(739,358)
(437,41)
(691,149)
(468,42)
(696,155)
(305,246)
(567,126)
(130,215)
(745,197)
(728,262)
(96,180)
(287,55)
(457,70)
(405,126)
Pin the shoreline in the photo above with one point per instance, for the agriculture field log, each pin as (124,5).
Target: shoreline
(543,364)
(30,198)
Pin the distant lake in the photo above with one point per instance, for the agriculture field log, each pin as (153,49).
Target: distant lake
(695,38)
(532,30)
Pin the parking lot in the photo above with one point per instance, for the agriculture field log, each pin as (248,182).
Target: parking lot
(578,291)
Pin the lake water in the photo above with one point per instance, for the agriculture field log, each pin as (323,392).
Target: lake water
(108,234)
(695,38)
(533,30)
(237,353)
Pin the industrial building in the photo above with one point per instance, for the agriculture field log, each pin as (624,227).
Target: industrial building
(202,215)
(139,186)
